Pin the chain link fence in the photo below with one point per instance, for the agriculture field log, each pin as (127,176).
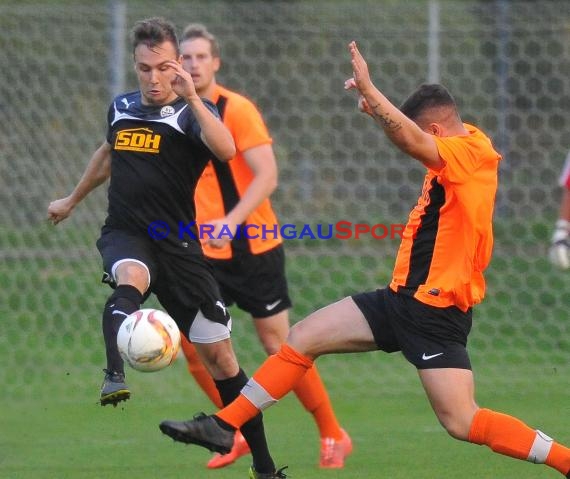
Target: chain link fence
(508,68)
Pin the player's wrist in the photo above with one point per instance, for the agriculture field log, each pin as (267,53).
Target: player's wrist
(192,100)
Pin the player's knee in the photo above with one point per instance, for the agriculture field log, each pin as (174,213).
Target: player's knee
(455,427)
(271,343)
(301,339)
(295,336)
(133,273)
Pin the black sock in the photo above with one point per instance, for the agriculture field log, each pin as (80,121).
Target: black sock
(253,430)
(125,300)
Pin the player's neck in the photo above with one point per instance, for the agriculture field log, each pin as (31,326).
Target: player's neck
(208,91)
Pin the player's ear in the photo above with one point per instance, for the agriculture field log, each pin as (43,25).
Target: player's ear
(435,129)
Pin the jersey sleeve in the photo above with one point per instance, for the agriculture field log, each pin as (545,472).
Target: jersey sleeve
(462,156)
(110,114)
(212,107)
(192,127)
(246,125)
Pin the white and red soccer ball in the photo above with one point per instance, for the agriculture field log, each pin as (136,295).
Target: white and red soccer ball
(148,340)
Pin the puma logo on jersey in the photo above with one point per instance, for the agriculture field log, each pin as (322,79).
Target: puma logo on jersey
(127,103)
(222,306)
(138,139)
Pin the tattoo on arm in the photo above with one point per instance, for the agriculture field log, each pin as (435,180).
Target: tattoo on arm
(385,121)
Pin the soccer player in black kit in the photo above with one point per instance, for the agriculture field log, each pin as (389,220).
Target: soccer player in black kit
(159,140)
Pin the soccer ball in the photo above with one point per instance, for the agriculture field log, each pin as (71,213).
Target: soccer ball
(148,340)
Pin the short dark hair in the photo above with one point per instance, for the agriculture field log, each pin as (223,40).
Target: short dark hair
(152,32)
(425,97)
(197,30)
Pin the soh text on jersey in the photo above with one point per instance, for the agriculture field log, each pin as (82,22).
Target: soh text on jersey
(138,139)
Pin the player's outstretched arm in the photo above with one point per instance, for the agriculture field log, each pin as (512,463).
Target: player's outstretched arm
(402,131)
(214,133)
(97,171)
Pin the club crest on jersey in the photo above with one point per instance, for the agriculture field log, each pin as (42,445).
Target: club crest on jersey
(138,139)
(167,111)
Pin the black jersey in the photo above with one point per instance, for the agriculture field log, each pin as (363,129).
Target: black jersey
(157,158)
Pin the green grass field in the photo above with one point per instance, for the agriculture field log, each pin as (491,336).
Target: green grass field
(394,431)
(51,426)
(395,436)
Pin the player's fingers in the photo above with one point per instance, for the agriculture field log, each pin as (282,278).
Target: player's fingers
(175,66)
(349,84)
(357,53)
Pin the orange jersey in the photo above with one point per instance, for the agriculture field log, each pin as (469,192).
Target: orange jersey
(222,184)
(448,239)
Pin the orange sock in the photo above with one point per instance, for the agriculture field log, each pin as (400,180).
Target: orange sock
(238,412)
(559,458)
(200,373)
(509,436)
(278,375)
(312,393)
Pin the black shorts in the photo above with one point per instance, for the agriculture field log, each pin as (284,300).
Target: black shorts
(429,337)
(182,280)
(255,283)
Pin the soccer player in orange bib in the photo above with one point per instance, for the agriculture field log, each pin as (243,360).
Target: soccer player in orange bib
(425,311)
(240,236)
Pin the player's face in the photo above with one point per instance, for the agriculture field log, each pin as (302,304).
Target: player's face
(155,79)
(196,58)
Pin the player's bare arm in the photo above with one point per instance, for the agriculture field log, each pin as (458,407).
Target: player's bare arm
(262,163)
(96,173)
(402,131)
(214,133)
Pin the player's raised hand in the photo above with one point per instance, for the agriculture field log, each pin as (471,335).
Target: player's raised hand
(359,70)
(183,85)
(360,75)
